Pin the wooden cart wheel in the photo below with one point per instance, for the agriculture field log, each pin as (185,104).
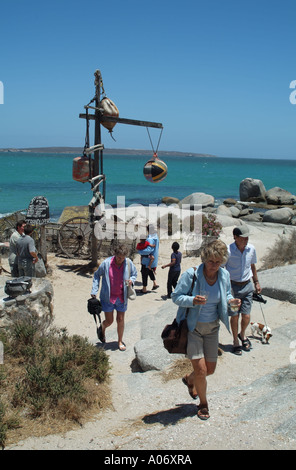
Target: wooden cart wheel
(75,238)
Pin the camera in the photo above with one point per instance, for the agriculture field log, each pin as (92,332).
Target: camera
(259,298)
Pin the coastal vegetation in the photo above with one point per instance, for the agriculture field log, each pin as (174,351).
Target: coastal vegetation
(49,380)
(283,252)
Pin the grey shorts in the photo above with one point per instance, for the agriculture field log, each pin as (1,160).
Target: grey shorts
(203,341)
(245,293)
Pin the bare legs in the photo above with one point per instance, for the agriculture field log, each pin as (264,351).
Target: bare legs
(245,320)
(197,378)
(120,326)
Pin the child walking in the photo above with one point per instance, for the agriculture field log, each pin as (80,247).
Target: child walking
(175,268)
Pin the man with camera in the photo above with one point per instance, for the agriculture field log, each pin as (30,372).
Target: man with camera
(241,265)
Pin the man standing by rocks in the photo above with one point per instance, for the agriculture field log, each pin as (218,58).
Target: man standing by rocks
(26,253)
(241,265)
(13,263)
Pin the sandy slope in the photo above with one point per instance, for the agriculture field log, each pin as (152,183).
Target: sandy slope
(151,413)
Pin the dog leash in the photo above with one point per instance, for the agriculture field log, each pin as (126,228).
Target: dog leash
(263,315)
(259,298)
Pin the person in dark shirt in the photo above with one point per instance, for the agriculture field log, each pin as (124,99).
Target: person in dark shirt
(175,268)
(26,253)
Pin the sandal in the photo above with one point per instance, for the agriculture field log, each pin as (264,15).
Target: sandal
(203,412)
(237,350)
(190,388)
(121,347)
(246,343)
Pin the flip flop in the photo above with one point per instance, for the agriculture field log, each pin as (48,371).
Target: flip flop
(122,347)
(190,388)
(155,287)
(203,412)
(246,343)
(237,350)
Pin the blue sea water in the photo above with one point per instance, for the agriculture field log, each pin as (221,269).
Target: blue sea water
(26,175)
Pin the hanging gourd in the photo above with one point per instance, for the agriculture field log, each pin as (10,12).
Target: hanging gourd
(109,109)
(155,170)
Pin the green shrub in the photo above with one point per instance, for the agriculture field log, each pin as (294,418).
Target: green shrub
(49,373)
(6,424)
(283,252)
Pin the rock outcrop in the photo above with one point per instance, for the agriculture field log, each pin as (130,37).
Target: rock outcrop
(38,302)
(251,189)
(279,196)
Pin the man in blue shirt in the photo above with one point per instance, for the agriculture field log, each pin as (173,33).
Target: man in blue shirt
(241,265)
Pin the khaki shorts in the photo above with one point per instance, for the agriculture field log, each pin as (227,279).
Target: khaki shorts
(203,341)
(245,293)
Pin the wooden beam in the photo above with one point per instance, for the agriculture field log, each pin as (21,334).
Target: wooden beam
(133,122)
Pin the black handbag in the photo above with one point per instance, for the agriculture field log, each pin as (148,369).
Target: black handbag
(94,307)
(175,335)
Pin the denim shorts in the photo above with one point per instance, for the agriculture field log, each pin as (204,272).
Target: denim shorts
(109,307)
(203,341)
(245,293)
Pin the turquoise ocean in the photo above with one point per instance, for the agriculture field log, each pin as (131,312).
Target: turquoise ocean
(24,175)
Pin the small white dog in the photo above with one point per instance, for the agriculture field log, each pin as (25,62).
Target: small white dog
(262,330)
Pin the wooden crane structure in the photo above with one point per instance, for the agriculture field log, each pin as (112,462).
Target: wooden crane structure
(98,117)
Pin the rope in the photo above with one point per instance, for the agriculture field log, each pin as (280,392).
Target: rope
(154,151)
(263,314)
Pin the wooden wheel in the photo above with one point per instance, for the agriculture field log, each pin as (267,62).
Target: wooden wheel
(75,238)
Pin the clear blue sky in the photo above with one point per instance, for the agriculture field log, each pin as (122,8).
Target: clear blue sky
(215,73)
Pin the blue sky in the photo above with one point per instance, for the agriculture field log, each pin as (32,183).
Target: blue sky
(215,73)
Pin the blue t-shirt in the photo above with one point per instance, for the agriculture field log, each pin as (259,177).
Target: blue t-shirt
(177,266)
(209,311)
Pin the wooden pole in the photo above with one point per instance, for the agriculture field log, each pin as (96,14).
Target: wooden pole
(134,122)
(98,159)
(97,153)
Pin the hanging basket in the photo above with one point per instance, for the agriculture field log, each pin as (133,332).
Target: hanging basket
(155,170)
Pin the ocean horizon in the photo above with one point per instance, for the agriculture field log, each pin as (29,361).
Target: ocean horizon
(25,175)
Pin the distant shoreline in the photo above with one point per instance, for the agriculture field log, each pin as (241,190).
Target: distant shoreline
(70,150)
